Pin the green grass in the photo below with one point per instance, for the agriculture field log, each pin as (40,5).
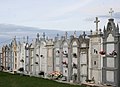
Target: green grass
(10,80)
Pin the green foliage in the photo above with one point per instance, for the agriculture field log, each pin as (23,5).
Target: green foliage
(10,80)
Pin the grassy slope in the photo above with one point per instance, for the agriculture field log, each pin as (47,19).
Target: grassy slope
(8,80)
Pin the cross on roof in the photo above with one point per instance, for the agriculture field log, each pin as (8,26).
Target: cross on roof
(111,12)
(43,34)
(27,39)
(66,34)
(84,35)
(74,33)
(97,21)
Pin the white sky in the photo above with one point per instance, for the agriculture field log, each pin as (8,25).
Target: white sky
(58,14)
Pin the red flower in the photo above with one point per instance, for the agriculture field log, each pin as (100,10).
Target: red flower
(64,62)
(102,52)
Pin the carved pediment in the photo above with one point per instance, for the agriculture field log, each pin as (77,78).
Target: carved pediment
(83,45)
(74,43)
(110,38)
(65,44)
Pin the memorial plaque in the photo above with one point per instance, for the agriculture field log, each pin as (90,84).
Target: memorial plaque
(110,38)
(74,49)
(83,58)
(110,62)
(83,45)
(110,76)
(110,48)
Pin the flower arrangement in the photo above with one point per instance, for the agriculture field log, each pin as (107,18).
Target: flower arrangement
(74,65)
(36,62)
(21,69)
(65,53)
(37,55)
(75,55)
(102,52)
(55,75)
(65,63)
(21,60)
(58,51)
(113,53)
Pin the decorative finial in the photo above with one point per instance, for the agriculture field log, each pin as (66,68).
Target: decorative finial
(27,39)
(91,32)
(84,34)
(117,26)
(111,12)
(38,35)
(44,35)
(74,33)
(104,29)
(100,30)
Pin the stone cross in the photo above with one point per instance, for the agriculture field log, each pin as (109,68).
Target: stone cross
(84,35)
(27,39)
(97,21)
(44,35)
(75,34)
(111,12)
(38,36)
(66,34)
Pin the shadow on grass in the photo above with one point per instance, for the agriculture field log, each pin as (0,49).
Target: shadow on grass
(11,80)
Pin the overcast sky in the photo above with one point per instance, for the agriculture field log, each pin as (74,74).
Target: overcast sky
(58,14)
